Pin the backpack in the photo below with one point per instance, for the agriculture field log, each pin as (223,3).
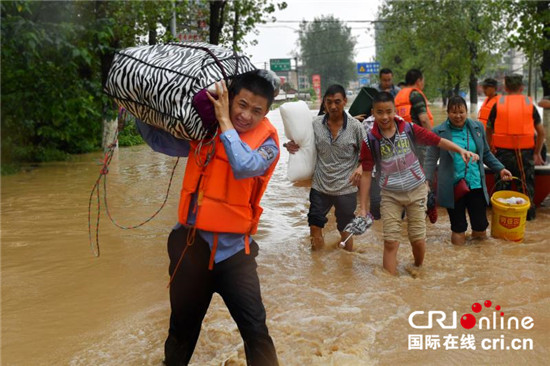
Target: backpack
(165,85)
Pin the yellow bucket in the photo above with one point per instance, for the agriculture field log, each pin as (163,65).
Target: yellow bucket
(508,219)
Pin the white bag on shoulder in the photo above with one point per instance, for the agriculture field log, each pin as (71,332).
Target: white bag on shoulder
(297,120)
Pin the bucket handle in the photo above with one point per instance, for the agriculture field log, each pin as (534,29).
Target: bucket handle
(497,181)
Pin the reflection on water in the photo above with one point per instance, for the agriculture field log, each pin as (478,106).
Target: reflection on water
(62,306)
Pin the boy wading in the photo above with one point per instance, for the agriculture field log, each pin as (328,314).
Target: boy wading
(390,145)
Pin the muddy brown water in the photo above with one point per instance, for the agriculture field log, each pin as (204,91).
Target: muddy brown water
(63,306)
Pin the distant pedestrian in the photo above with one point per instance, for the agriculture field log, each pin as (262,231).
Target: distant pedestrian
(386,82)
(490,90)
(412,105)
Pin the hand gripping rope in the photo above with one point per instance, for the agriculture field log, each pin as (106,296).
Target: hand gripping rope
(122,116)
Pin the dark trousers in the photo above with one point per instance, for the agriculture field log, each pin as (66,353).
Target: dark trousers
(509,160)
(321,203)
(474,202)
(235,279)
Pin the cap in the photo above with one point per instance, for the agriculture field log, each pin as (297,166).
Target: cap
(489,82)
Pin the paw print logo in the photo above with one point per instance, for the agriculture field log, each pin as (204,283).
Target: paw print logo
(468,321)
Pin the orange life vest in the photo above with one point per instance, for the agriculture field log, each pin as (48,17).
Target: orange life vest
(225,204)
(514,126)
(403,104)
(485,109)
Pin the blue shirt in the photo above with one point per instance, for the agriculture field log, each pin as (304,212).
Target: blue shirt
(462,137)
(245,163)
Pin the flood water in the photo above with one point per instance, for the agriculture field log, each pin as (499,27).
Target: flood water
(63,306)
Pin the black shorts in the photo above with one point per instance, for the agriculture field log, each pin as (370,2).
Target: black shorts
(320,205)
(476,205)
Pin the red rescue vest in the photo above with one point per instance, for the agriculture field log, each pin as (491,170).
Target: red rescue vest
(225,204)
(514,126)
(485,109)
(403,104)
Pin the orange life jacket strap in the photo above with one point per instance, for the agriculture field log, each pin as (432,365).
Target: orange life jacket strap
(213,253)
(247,244)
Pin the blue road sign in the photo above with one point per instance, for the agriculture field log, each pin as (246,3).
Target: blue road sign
(368,67)
(363,81)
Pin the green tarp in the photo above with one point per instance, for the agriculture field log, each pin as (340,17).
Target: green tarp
(363,102)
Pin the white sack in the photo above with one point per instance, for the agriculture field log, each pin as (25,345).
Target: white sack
(297,120)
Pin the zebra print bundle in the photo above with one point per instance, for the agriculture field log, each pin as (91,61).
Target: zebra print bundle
(157,83)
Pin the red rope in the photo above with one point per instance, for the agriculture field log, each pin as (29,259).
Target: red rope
(519,159)
(96,189)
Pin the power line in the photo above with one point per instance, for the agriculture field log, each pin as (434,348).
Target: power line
(329,21)
(298,30)
(320,53)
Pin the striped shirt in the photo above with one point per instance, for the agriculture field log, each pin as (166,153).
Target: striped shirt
(400,169)
(399,165)
(337,157)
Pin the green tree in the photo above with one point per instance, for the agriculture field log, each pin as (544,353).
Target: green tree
(231,21)
(243,17)
(449,40)
(55,58)
(49,98)
(326,48)
(528,25)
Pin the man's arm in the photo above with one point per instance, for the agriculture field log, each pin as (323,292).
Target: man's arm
(162,141)
(425,121)
(419,107)
(490,129)
(356,175)
(245,162)
(367,164)
(545,102)
(541,135)
(221,106)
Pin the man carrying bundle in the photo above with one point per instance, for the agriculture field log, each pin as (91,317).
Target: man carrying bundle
(210,248)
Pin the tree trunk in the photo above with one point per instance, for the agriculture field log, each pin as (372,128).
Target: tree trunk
(235,28)
(216,20)
(473,94)
(456,90)
(545,64)
(109,133)
(152,36)
(472,45)
(109,127)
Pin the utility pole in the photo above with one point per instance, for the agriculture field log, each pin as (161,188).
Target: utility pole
(173,21)
(297,75)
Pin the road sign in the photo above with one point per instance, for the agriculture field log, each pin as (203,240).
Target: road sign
(368,67)
(364,81)
(279,64)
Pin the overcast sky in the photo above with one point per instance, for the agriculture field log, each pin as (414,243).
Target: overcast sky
(279,40)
